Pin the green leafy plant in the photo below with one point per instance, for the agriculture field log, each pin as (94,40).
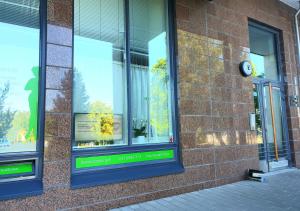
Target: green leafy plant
(139,128)
(140,131)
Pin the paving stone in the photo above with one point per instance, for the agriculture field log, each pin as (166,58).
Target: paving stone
(281,192)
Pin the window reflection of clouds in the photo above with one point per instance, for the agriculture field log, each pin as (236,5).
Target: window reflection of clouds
(98,57)
(94,60)
(18,55)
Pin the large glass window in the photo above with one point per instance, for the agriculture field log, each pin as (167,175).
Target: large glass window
(99,97)
(19,75)
(100,102)
(123,99)
(21,72)
(150,72)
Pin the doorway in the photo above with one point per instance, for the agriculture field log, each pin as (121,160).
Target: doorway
(269,98)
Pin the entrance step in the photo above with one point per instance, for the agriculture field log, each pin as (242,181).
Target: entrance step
(278,165)
(265,176)
(286,170)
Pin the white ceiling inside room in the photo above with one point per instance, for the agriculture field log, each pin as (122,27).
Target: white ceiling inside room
(292,3)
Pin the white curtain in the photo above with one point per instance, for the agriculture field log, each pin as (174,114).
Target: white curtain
(140,92)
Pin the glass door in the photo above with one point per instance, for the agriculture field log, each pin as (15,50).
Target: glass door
(274,127)
(268,95)
(270,126)
(273,123)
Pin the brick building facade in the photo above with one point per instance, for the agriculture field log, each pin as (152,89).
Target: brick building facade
(217,147)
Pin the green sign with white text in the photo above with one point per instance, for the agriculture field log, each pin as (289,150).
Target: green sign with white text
(12,169)
(136,157)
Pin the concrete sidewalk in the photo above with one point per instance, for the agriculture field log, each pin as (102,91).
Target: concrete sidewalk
(280,192)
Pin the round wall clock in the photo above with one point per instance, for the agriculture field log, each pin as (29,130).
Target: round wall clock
(246,68)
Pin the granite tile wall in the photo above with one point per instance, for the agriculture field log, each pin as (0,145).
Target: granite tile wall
(210,50)
(214,101)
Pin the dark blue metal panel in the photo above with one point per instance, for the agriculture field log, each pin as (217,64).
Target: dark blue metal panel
(124,174)
(42,86)
(174,74)
(128,71)
(17,189)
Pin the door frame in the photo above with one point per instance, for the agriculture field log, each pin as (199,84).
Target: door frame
(261,82)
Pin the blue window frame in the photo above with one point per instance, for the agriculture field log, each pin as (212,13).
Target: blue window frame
(124,92)
(22,91)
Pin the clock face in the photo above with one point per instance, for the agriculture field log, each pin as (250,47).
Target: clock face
(246,68)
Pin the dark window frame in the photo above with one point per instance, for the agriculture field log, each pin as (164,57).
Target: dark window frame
(107,175)
(280,83)
(14,187)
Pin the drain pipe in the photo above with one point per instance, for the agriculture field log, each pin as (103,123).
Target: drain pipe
(298,66)
(295,99)
(298,46)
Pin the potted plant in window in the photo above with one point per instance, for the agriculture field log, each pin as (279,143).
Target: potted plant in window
(140,132)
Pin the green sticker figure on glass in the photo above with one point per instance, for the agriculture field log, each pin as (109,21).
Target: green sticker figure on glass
(33,86)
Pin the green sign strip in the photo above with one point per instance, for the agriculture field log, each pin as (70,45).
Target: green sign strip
(11,169)
(136,157)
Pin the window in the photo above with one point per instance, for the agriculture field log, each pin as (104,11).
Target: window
(99,74)
(123,92)
(20,76)
(150,72)
(263,54)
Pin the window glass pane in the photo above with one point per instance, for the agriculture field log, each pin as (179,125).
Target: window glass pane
(19,74)
(263,54)
(278,121)
(150,72)
(277,109)
(99,89)
(258,122)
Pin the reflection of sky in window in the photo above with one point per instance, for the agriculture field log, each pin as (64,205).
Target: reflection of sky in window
(19,52)
(157,49)
(94,60)
(259,63)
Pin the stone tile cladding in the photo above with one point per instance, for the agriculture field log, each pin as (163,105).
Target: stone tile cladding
(214,101)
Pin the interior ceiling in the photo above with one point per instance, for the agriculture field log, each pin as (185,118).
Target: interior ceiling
(292,3)
(261,42)
(20,12)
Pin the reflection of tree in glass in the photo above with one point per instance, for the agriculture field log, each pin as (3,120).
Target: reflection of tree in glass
(33,86)
(19,127)
(80,97)
(62,101)
(254,71)
(103,118)
(159,98)
(139,127)
(6,117)
(257,115)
